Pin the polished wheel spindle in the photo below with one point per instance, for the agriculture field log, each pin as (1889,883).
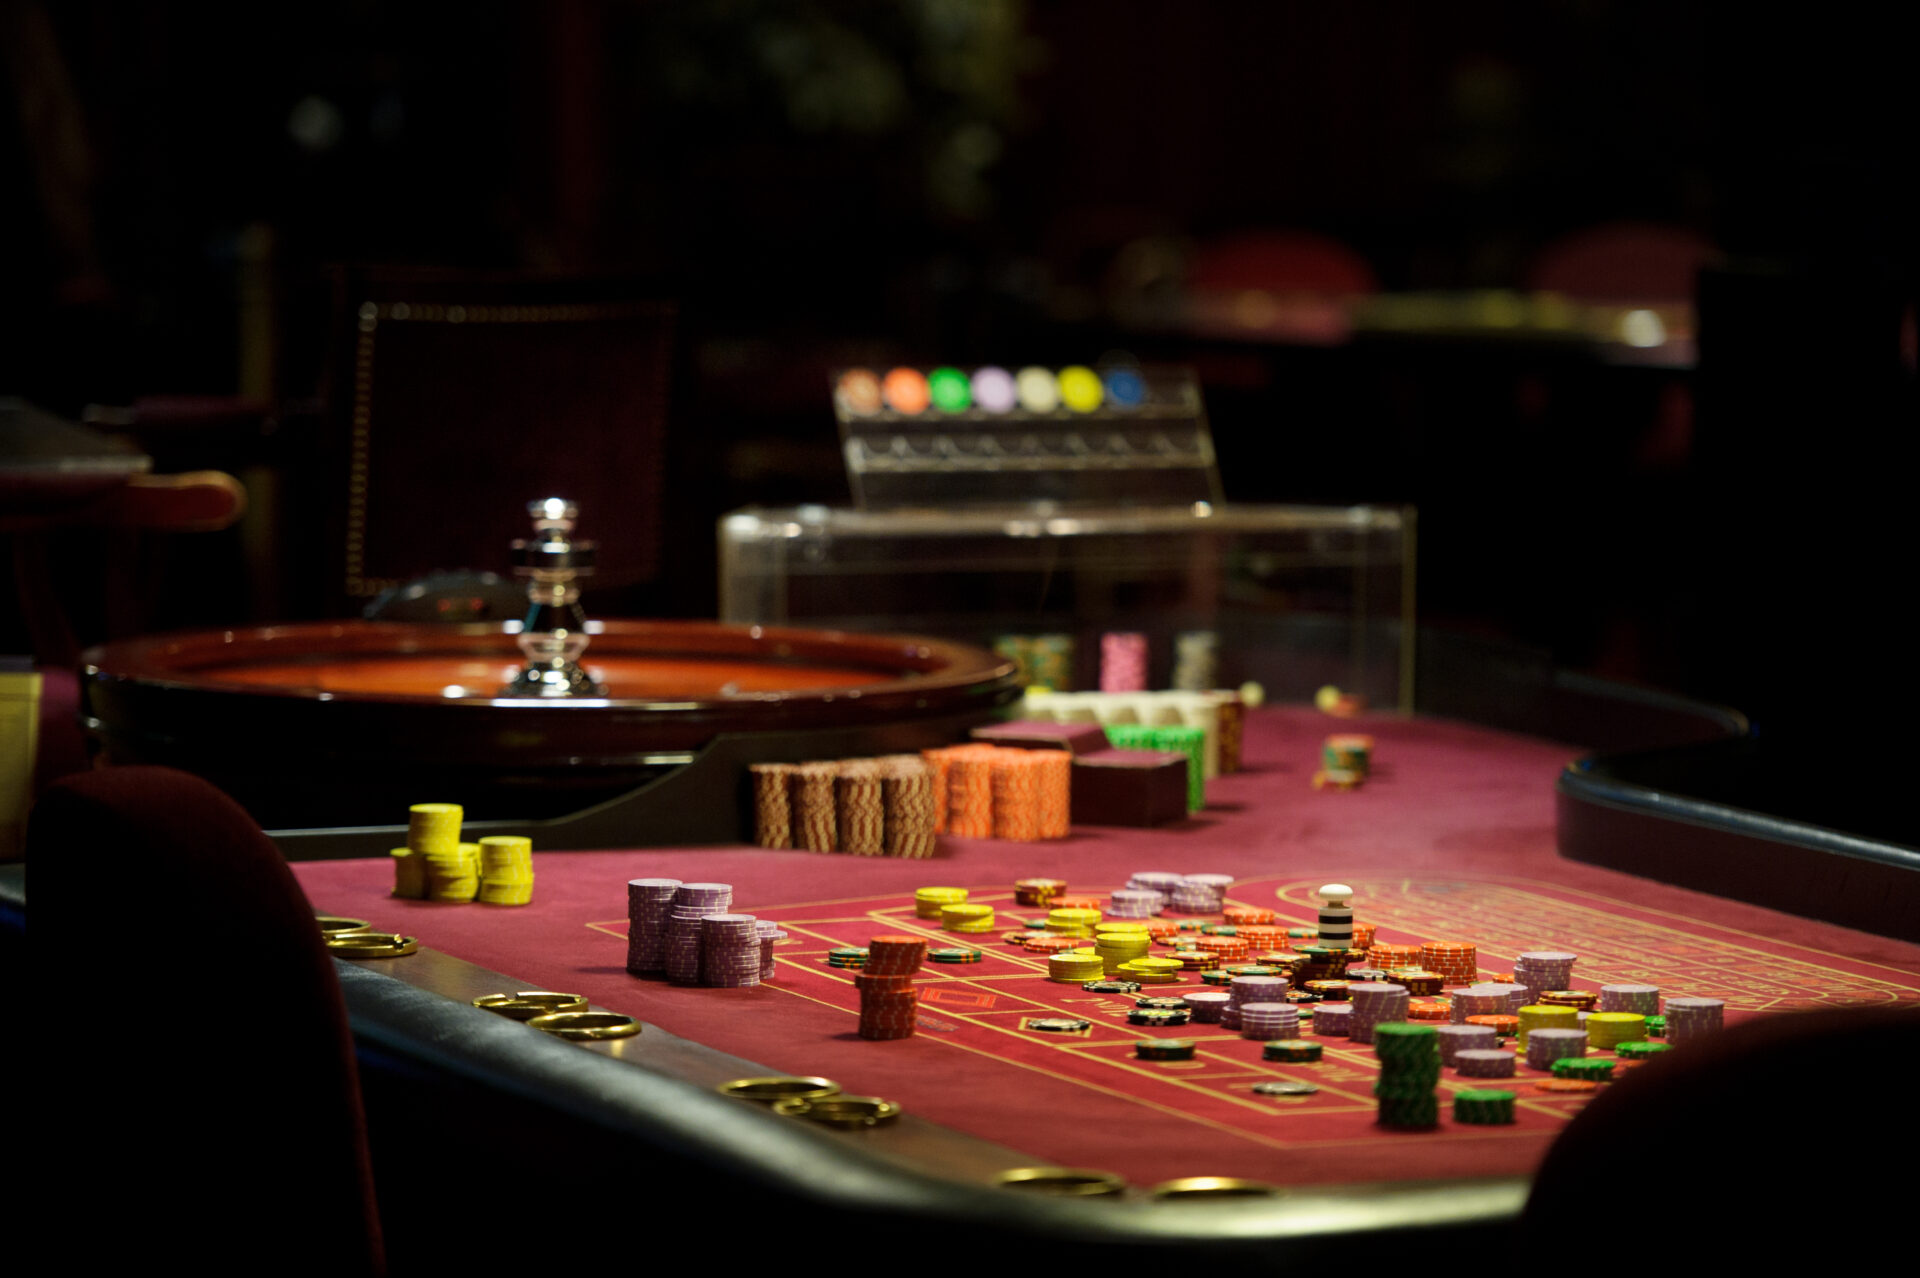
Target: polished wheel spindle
(554,635)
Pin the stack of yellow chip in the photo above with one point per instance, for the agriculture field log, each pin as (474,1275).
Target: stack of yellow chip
(962,917)
(506,870)
(1546,1016)
(1072,921)
(433,836)
(409,874)
(1115,948)
(1075,966)
(1607,1030)
(1150,971)
(928,901)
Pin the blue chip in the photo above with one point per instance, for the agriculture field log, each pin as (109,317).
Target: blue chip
(1125,387)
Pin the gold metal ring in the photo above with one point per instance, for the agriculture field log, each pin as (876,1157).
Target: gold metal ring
(334,925)
(586,1026)
(1062,1182)
(779,1087)
(372,945)
(841,1111)
(1191,1187)
(527,1004)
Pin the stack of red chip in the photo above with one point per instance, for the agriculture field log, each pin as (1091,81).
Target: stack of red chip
(887,997)
(1037,891)
(1456,961)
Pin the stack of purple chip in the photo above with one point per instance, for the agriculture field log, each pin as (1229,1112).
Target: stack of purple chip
(1133,903)
(1543,970)
(1642,1000)
(692,902)
(1483,1000)
(649,901)
(1201,893)
(1159,882)
(1691,1018)
(1375,1003)
(1483,1062)
(1243,990)
(1267,1021)
(1545,1046)
(1455,1039)
(770,936)
(1208,1005)
(1332,1019)
(729,951)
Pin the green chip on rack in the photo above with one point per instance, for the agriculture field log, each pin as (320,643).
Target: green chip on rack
(954,954)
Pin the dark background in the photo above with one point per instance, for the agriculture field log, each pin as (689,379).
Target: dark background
(819,184)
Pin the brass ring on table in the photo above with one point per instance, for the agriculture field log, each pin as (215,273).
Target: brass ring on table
(584,1027)
(1188,1188)
(779,1087)
(334,925)
(527,1004)
(372,945)
(1062,1182)
(841,1111)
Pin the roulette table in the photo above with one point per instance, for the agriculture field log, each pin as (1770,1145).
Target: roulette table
(1455,837)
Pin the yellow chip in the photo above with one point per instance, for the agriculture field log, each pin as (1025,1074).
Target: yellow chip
(434,827)
(1080,388)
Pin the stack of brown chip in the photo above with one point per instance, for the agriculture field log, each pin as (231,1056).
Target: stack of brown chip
(772,804)
(906,798)
(858,807)
(815,821)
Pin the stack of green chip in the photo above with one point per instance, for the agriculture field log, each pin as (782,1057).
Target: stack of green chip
(1174,740)
(1050,661)
(1641,1050)
(1656,1027)
(1409,1074)
(1483,1107)
(1594,1069)
(1219,929)
(847,956)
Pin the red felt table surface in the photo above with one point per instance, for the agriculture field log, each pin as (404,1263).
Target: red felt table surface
(1452,839)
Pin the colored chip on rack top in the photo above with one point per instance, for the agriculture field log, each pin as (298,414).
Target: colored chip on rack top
(905,390)
(993,389)
(950,390)
(1080,388)
(1125,387)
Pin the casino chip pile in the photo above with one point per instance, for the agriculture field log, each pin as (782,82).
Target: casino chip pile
(687,932)
(1408,1086)
(983,791)
(436,866)
(867,807)
(1220,717)
(1346,761)
(888,1001)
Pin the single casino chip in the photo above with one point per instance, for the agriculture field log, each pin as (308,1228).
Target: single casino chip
(993,389)
(1566,1085)
(950,390)
(1080,388)
(1165,1049)
(1284,1089)
(954,954)
(858,392)
(1159,1016)
(905,390)
(1127,389)
(1059,1025)
(1291,1050)
(1164,1002)
(1038,390)
(1640,1050)
(1112,987)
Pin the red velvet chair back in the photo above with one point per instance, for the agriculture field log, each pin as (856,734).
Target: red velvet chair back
(198,1087)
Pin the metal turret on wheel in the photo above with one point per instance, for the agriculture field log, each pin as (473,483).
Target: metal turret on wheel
(554,635)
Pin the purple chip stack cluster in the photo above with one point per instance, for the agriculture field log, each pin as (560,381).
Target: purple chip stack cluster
(692,903)
(729,951)
(1455,1039)
(1332,1020)
(1201,894)
(649,901)
(1375,1003)
(1243,990)
(1208,1005)
(1133,903)
(1543,970)
(1642,1000)
(1545,1046)
(1691,1018)
(770,935)
(1265,1022)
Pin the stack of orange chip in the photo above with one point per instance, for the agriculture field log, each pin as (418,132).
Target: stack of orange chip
(1387,957)
(1457,962)
(970,792)
(888,1001)
(1037,891)
(1030,794)
(1080,902)
(1362,936)
(1262,936)
(1238,914)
